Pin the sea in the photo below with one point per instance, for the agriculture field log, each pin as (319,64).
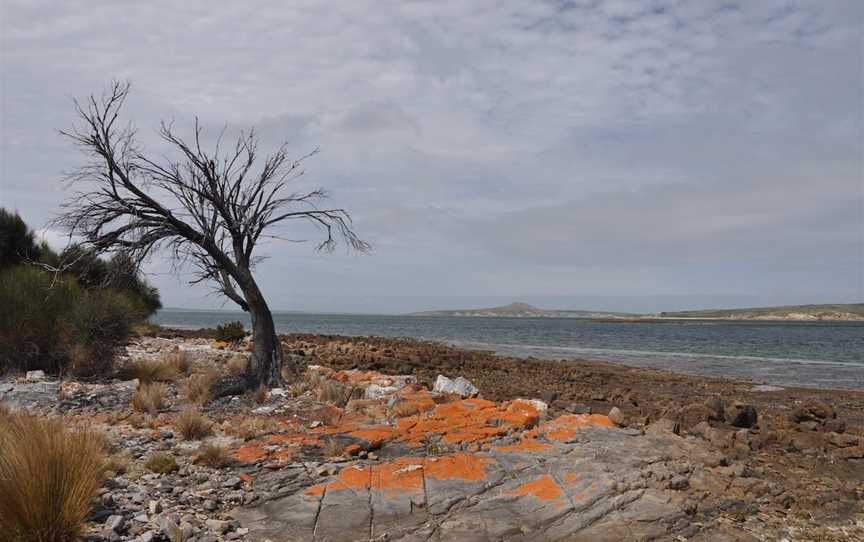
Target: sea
(789,353)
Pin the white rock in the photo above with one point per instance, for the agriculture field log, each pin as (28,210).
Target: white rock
(35,376)
(374,391)
(461,386)
(541,406)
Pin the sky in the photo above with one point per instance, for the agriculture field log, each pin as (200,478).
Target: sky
(640,156)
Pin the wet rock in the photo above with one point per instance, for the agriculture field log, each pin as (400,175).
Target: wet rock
(741,414)
(459,386)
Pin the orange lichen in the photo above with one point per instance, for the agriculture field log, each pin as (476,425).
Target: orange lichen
(564,428)
(405,474)
(544,488)
(459,466)
(570,477)
(524,445)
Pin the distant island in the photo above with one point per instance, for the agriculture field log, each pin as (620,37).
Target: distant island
(524,310)
(849,311)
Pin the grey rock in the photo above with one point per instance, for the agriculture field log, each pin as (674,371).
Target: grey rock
(459,386)
(115,523)
(218,526)
(617,416)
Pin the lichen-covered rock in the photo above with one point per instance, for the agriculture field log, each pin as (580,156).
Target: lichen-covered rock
(459,386)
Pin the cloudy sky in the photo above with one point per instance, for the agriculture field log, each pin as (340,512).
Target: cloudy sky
(586,154)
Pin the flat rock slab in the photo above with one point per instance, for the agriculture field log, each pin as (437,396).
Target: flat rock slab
(572,478)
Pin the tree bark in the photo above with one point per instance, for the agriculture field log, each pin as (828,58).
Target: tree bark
(265,366)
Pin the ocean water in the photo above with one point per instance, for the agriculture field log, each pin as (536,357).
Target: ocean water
(813,354)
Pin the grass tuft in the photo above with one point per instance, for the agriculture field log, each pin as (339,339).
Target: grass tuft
(213,455)
(149,398)
(161,463)
(237,364)
(192,425)
(197,387)
(49,474)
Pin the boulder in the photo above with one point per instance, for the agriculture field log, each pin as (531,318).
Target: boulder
(741,414)
(460,386)
(813,410)
(35,376)
(617,416)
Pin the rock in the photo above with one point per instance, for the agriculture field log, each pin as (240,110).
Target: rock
(115,523)
(841,440)
(147,536)
(813,410)
(34,376)
(696,413)
(718,406)
(374,391)
(232,482)
(460,386)
(617,416)
(155,507)
(741,414)
(856,452)
(678,483)
(227,386)
(665,425)
(218,526)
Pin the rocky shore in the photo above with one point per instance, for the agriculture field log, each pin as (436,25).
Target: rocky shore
(397,439)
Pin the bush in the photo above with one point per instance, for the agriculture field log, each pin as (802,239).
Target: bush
(57,326)
(99,323)
(33,319)
(49,474)
(231,332)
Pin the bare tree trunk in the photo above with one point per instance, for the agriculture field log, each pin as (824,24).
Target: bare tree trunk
(265,366)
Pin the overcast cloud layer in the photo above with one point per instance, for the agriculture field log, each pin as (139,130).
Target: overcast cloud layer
(621,155)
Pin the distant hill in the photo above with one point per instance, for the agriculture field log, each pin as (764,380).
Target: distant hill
(849,311)
(522,310)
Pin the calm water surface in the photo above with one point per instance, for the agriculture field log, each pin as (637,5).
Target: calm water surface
(816,354)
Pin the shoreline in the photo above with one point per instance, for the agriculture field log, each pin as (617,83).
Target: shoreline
(638,359)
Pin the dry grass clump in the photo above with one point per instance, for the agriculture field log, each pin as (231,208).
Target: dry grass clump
(192,425)
(259,395)
(161,463)
(197,388)
(213,455)
(237,364)
(403,409)
(49,474)
(250,428)
(331,391)
(149,398)
(165,369)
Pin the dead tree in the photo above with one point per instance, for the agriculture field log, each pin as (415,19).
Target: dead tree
(206,208)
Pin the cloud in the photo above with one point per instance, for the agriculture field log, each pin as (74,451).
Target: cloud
(492,148)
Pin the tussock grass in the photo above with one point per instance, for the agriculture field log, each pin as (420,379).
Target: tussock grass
(161,463)
(49,474)
(213,455)
(197,387)
(149,398)
(165,369)
(237,364)
(192,425)
(259,395)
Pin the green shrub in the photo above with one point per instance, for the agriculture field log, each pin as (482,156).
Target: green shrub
(35,305)
(98,324)
(48,322)
(230,332)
